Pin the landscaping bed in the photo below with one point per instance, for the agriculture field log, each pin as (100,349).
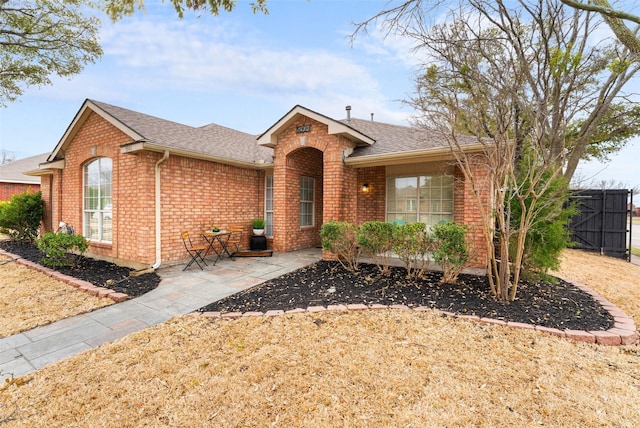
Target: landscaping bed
(98,272)
(556,305)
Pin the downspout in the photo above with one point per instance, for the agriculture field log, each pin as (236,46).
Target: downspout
(156,265)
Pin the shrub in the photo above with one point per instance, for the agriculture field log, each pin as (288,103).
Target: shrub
(59,247)
(450,249)
(411,243)
(20,218)
(258,223)
(341,238)
(375,239)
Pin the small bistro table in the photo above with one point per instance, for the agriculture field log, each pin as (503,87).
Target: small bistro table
(222,238)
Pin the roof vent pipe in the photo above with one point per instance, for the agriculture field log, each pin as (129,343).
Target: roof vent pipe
(371,117)
(348,109)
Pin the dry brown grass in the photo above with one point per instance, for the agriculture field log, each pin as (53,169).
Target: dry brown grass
(29,299)
(370,368)
(614,279)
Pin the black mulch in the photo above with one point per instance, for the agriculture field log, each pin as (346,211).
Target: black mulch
(560,305)
(97,272)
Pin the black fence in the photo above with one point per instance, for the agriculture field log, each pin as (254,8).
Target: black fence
(604,222)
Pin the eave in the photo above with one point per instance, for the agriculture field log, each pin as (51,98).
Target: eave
(399,158)
(46,168)
(138,146)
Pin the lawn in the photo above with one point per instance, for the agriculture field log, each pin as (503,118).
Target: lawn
(357,368)
(29,299)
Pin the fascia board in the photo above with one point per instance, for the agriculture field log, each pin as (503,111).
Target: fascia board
(144,145)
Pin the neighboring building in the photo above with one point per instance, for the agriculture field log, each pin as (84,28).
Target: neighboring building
(130,182)
(13,180)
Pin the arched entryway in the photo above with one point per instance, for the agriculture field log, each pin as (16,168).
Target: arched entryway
(298,200)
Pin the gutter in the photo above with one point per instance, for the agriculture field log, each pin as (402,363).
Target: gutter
(394,158)
(158,262)
(144,145)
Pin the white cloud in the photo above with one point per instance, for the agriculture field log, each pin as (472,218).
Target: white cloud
(201,58)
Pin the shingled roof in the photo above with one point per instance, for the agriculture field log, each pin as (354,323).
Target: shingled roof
(376,141)
(12,172)
(212,139)
(395,139)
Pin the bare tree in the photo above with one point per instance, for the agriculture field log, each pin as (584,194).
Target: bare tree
(6,157)
(615,18)
(521,80)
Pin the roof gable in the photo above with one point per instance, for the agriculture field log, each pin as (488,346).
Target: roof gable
(270,137)
(78,121)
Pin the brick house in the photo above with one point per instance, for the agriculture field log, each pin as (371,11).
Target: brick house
(13,181)
(131,182)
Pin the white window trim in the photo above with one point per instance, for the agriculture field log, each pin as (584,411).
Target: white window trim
(267,189)
(100,211)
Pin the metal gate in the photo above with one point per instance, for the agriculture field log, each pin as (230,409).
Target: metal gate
(603,222)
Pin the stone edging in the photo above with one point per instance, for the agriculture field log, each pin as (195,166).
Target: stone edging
(81,285)
(623,331)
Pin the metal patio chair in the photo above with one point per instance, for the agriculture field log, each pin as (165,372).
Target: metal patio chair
(195,251)
(235,240)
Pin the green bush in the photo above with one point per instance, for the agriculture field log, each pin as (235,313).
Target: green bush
(450,249)
(59,248)
(411,243)
(20,218)
(341,238)
(375,238)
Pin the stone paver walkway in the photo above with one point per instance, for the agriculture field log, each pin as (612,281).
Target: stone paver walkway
(179,293)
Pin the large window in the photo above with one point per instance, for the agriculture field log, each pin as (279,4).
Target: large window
(268,205)
(426,198)
(97,188)
(307,185)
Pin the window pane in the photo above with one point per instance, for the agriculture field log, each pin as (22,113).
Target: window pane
(268,203)
(306,201)
(428,199)
(97,188)
(106,227)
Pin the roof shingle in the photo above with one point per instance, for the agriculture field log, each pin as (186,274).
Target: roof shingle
(12,172)
(213,140)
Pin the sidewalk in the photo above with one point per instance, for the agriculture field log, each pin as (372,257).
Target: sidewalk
(179,293)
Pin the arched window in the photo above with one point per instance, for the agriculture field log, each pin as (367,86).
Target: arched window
(97,200)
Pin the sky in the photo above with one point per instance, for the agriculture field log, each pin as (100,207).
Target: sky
(244,71)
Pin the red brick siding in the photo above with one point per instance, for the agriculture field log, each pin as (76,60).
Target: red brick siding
(371,204)
(195,194)
(97,138)
(45,188)
(468,211)
(316,154)
(7,190)
(198,194)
